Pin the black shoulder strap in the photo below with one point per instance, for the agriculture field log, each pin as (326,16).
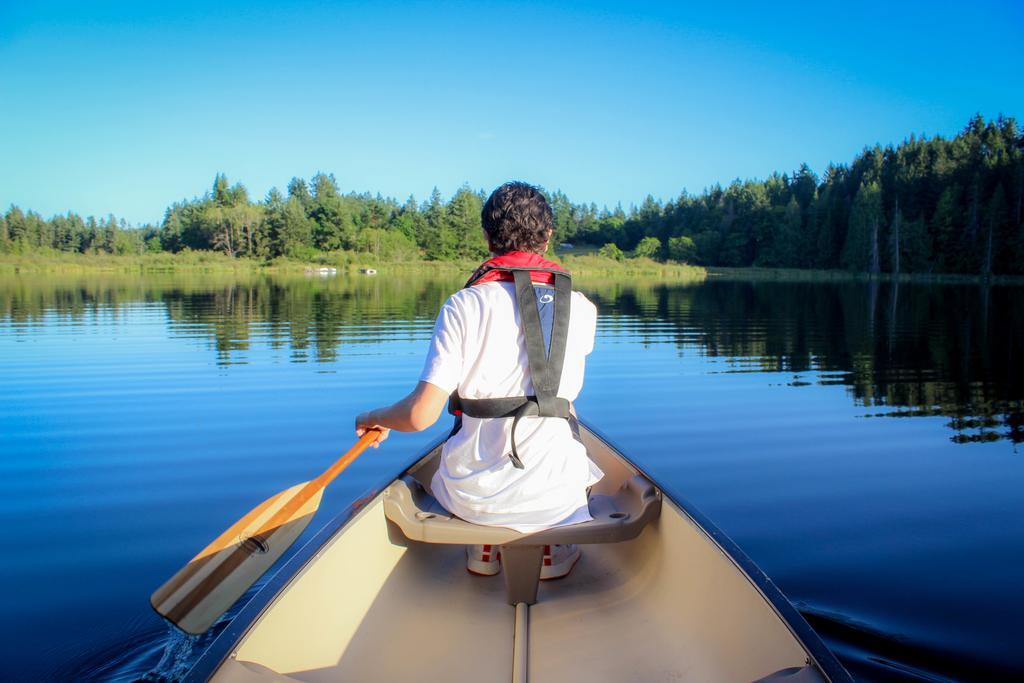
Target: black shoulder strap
(545,363)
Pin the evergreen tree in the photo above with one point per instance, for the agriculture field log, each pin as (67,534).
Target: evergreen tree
(298,189)
(789,246)
(564,219)
(171,229)
(804,187)
(220,194)
(463,219)
(289,230)
(334,227)
(994,220)
(894,241)
(947,222)
(409,221)
(915,247)
(861,250)
(438,242)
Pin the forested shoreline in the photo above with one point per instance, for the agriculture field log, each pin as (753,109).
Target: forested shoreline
(928,205)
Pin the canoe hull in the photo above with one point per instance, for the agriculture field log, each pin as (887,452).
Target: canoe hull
(679,602)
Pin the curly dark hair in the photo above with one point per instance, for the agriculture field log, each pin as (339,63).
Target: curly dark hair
(517,217)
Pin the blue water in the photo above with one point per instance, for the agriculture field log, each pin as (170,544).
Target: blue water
(860,442)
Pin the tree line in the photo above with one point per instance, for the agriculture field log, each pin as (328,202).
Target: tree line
(927,205)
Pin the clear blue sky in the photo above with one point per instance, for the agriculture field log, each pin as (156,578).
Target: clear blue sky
(125,107)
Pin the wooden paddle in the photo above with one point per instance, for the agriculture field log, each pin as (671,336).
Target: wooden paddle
(214,579)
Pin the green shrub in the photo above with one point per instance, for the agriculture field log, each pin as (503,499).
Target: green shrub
(612,251)
(649,247)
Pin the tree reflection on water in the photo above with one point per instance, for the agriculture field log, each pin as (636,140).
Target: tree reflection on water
(904,349)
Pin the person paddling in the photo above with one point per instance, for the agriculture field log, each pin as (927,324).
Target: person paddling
(508,354)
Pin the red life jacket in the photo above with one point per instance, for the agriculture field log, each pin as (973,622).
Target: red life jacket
(546,360)
(498,268)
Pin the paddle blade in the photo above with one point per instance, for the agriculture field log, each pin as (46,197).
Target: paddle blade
(214,579)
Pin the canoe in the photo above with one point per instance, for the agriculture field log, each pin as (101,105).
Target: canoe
(382,594)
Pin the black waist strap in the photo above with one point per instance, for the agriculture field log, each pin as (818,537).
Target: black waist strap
(515,407)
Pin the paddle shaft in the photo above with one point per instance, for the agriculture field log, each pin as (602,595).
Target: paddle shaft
(314,485)
(341,463)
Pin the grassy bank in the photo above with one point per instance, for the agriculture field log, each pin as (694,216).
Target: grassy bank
(196,261)
(585,266)
(62,262)
(593,266)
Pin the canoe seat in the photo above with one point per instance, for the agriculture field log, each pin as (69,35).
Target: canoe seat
(414,514)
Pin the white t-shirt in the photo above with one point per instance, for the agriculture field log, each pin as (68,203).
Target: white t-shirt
(478,347)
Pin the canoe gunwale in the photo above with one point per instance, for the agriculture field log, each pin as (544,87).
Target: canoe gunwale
(249,614)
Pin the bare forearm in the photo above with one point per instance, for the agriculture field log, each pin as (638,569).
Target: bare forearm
(399,416)
(414,413)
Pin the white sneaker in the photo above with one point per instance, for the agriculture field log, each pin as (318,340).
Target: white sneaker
(483,560)
(558,561)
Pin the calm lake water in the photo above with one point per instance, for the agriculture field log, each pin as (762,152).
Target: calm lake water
(862,443)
